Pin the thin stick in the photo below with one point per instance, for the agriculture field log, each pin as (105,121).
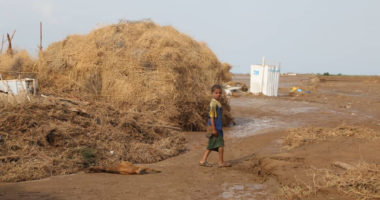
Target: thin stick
(13,34)
(9,50)
(10,38)
(2,44)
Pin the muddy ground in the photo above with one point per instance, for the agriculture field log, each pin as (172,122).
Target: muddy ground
(262,166)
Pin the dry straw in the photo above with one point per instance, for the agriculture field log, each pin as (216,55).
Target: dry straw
(143,82)
(137,66)
(48,137)
(360,182)
(300,136)
(19,63)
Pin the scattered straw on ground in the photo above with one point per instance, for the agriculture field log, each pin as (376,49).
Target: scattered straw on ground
(301,136)
(361,182)
(56,136)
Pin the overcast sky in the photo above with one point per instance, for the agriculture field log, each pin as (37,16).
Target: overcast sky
(305,36)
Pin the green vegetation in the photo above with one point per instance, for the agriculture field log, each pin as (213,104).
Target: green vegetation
(328,74)
(89,156)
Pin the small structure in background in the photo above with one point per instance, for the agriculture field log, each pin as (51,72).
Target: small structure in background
(18,86)
(265,79)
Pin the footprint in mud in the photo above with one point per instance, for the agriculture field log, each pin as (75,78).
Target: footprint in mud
(242,191)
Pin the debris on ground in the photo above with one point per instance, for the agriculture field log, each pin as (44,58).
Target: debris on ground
(51,136)
(296,91)
(301,136)
(358,182)
(235,88)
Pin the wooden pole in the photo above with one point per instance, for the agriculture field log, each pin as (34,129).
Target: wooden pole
(40,36)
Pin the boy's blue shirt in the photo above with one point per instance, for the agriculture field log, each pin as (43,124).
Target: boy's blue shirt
(216,112)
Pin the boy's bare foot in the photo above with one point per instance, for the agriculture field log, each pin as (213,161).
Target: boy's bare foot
(205,164)
(225,165)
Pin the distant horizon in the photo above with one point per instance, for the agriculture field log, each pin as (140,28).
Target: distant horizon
(317,74)
(305,36)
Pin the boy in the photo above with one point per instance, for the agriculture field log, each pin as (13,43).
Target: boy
(216,141)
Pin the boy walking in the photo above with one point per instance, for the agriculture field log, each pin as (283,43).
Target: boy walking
(216,141)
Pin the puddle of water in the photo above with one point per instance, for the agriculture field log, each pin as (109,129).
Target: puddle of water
(247,126)
(272,105)
(296,110)
(242,191)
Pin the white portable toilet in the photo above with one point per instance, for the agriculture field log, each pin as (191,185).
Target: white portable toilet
(257,74)
(265,79)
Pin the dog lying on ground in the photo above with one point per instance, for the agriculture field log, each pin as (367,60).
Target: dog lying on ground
(124,168)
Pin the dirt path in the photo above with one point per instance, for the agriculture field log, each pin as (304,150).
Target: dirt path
(259,130)
(181,178)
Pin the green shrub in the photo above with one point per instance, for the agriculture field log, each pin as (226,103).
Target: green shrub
(88,156)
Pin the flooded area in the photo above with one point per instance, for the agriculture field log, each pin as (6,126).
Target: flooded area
(248,127)
(243,191)
(258,115)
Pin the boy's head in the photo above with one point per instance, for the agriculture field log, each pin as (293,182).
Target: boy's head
(216,91)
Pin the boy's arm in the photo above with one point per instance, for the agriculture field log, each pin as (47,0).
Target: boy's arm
(212,116)
(213,127)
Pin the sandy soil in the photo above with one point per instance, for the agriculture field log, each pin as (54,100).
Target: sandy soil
(254,146)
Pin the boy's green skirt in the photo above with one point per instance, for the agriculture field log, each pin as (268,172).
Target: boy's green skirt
(215,142)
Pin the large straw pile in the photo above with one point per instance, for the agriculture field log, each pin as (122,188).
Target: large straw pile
(136,66)
(49,137)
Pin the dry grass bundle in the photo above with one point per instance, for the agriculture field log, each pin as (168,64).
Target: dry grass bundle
(300,136)
(136,66)
(12,66)
(295,192)
(360,182)
(48,137)
(226,74)
(6,99)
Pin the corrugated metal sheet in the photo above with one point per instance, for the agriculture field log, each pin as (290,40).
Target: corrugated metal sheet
(18,86)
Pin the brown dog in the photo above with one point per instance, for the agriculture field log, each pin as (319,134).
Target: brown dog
(124,168)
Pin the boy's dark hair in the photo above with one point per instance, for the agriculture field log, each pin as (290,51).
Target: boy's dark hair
(214,87)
